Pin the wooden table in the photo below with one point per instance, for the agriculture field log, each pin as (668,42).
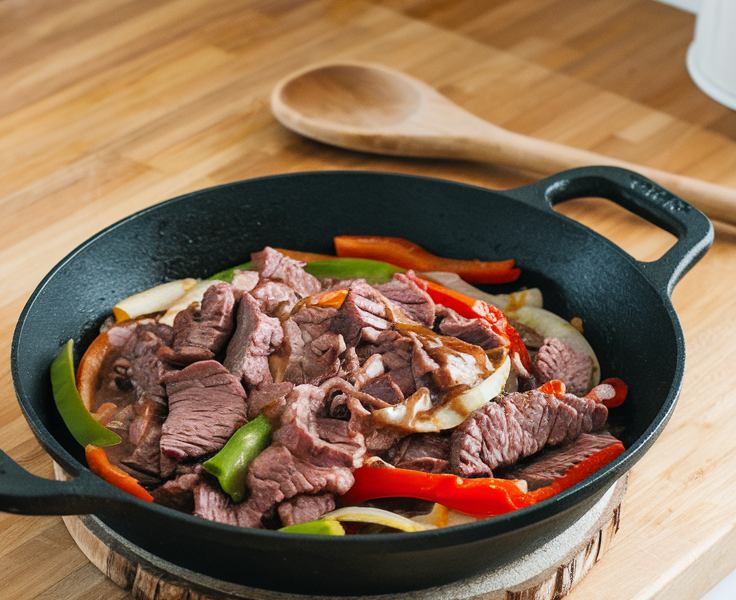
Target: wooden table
(109,107)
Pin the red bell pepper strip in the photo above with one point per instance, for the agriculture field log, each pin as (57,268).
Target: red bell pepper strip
(482,497)
(102,467)
(408,255)
(554,387)
(472,308)
(609,392)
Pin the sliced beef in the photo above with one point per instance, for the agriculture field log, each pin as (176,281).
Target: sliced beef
(200,333)
(206,406)
(178,493)
(474,331)
(396,351)
(519,425)
(146,457)
(274,265)
(304,508)
(556,360)
(384,388)
(256,336)
(211,503)
(412,299)
(312,350)
(429,452)
(277,475)
(363,310)
(311,454)
(309,433)
(553,463)
(269,399)
(275,298)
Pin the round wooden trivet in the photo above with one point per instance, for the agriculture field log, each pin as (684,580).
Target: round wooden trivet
(548,573)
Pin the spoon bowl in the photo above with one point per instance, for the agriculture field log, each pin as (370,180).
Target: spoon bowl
(372,108)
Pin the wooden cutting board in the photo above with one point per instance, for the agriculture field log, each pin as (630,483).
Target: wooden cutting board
(109,107)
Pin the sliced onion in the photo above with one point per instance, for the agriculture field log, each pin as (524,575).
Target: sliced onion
(376,516)
(548,324)
(442,516)
(193,296)
(152,300)
(417,414)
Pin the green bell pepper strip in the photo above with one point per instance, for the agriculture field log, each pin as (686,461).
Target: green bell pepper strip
(82,425)
(230,464)
(319,527)
(373,271)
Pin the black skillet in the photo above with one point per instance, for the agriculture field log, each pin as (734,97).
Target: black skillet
(625,305)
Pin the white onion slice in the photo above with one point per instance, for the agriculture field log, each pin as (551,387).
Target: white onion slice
(417,414)
(548,324)
(152,300)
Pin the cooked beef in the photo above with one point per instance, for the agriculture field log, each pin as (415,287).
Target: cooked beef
(269,399)
(178,493)
(474,331)
(412,299)
(384,388)
(256,337)
(274,265)
(311,453)
(313,351)
(139,366)
(309,433)
(206,406)
(396,350)
(277,475)
(304,508)
(275,298)
(378,439)
(211,503)
(146,457)
(519,425)
(200,333)
(429,452)
(553,463)
(556,360)
(364,309)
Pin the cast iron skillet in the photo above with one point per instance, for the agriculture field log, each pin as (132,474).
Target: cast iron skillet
(625,305)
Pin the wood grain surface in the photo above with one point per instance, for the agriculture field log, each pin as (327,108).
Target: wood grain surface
(109,107)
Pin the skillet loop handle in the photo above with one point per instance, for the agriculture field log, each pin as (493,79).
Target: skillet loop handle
(23,493)
(643,197)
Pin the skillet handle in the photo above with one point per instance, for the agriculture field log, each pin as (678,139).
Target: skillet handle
(641,196)
(23,493)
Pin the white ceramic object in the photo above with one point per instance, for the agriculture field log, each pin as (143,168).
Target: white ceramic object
(711,58)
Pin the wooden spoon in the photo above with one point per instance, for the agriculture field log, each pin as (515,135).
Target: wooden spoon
(372,108)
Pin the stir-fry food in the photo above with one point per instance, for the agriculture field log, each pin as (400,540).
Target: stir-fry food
(335,395)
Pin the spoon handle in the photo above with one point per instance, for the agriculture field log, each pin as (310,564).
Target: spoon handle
(505,147)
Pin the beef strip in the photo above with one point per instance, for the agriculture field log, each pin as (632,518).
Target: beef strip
(311,454)
(179,493)
(200,333)
(556,360)
(305,508)
(474,331)
(269,399)
(412,299)
(206,406)
(313,350)
(274,265)
(429,452)
(275,298)
(553,463)
(364,310)
(396,350)
(519,425)
(256,336)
